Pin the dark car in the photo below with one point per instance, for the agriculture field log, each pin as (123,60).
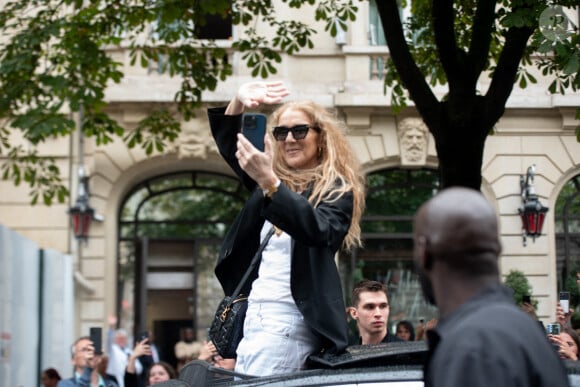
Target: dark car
(398,364)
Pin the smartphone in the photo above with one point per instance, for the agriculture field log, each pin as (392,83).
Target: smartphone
(526,299)
(553,329)
(564,298)
(96,336)
(254,128)
(142,336)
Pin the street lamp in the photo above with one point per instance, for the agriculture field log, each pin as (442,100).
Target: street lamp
(531,211)
(82,213)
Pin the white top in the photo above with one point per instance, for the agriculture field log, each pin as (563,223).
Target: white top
(273,282)
(118,359)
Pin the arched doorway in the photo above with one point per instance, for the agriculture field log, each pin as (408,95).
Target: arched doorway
(393,197)
(171,228)
(567,221)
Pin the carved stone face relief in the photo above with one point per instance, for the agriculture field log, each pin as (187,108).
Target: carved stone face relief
(413,141)
(195,140)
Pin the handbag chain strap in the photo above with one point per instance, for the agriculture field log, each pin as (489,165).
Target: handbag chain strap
(254,262)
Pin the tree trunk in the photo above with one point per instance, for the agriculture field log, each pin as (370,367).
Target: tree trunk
(460,142)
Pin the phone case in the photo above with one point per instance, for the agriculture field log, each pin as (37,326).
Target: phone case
(564,298)
(254,128)
(96,336)
(142,336)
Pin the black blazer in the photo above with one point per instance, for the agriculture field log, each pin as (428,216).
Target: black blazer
(317,233)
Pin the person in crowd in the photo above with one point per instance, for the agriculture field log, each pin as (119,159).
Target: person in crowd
(482,337)
(422,329)
(85,364)
(156,355)
(567,342)
(187,348)
(160,372)
(131,377)
(370,310)
(49,377)
(119,353)
(563,319)
(102,370)
(405,330)
(147,360)
(211,355)
(307,186)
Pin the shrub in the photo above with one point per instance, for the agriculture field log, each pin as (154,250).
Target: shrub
(518,282)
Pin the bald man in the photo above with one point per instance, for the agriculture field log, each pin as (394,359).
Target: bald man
(482,338)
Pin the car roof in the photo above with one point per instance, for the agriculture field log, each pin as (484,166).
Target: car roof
(398,375)
(394,364)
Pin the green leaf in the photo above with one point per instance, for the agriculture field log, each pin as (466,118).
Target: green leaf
(572,66)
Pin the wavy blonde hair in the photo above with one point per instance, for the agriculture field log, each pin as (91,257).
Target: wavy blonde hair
(338,170)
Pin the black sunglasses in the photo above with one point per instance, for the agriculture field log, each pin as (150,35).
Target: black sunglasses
(298,132)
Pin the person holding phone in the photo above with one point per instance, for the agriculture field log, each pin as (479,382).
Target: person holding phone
(567,343)
(154,373)
(308,187)
(86,364)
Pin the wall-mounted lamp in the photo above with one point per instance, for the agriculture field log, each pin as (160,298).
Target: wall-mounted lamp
(531,211)
(82,213)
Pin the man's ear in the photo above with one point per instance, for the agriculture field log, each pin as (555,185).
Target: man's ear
(425,259)
(353,312)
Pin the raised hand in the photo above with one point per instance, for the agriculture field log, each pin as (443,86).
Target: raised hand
(564,349)
(253,94)
(529,309)
(142,348)
(562,317)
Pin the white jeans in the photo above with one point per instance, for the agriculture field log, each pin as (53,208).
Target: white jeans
(276,340)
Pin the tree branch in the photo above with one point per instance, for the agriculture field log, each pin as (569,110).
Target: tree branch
(505,73)
(483,23)
(443,29)
(412,78)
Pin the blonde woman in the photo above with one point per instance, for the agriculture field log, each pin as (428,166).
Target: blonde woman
(308,186)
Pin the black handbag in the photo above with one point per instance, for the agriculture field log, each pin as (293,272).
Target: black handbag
(227,328)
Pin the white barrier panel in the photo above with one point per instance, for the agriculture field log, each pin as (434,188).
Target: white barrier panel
(23,342)
(19,277)
(57,312)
